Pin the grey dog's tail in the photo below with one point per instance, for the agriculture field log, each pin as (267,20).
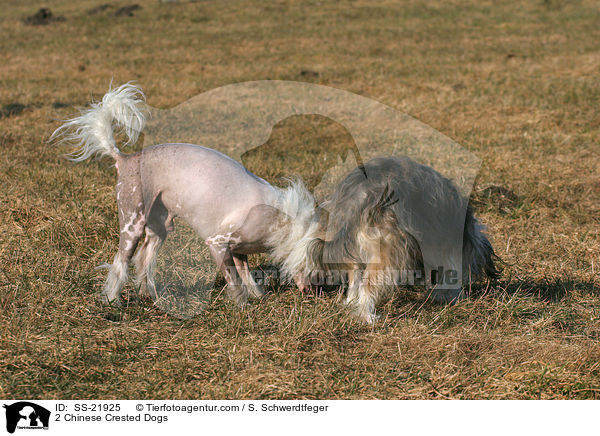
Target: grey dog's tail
(92,132)
(478,257)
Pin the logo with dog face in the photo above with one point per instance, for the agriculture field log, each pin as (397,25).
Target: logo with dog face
(406,215)
(26,415)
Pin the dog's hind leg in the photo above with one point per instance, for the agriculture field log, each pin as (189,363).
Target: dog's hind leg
(132,229)
(131,225)
(159,223)
(447,286)
(145,263)
(362,293)
(241,264)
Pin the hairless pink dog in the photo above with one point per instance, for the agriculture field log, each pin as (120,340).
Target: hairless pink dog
(233,210)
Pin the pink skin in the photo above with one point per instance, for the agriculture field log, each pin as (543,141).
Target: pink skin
(225,203)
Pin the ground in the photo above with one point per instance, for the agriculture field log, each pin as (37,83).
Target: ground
(514,82)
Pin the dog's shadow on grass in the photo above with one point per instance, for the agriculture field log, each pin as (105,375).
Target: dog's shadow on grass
(549,290)
(185,299)
(524,297)
(188,301)
(179,300)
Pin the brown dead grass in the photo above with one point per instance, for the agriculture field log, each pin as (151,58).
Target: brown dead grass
(516,83)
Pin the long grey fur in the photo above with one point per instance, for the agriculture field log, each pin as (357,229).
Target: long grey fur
(399,207)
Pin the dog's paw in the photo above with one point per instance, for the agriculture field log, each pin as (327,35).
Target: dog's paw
(367,317)
(116,303)
(371,319)
(256,291)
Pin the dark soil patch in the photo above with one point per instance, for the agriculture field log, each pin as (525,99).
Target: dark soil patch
(127,11)
(12,109)
(309,73)
(42,17)
(99,8)
(59,105)
(501,198)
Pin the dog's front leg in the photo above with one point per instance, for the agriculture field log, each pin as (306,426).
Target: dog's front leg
(145,262)
(241,264)
(236,290)
(362,294)
(441,289)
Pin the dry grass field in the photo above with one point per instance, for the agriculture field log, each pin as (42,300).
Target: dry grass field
(515,82)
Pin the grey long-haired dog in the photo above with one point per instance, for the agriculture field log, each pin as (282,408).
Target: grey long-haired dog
(396,216)
(234,211)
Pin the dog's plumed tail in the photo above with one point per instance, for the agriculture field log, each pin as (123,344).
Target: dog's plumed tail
(92,133)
